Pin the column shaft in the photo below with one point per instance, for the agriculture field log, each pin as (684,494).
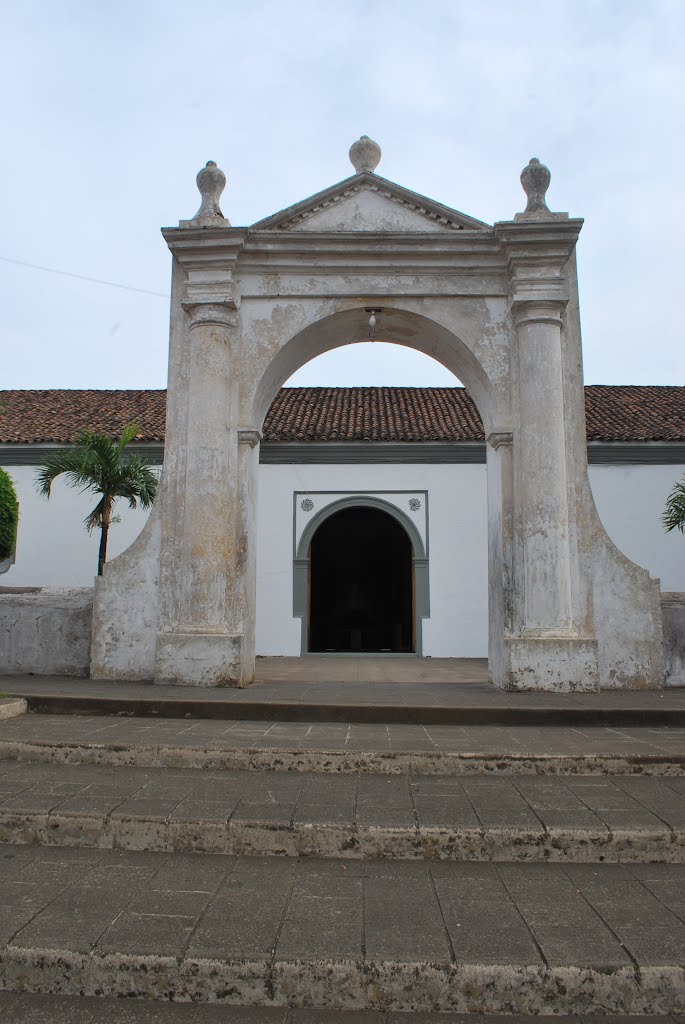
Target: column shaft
(547,606)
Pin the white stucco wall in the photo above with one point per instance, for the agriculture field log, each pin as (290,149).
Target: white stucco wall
(55,550)
(457,549)
(53,546)
(630,501)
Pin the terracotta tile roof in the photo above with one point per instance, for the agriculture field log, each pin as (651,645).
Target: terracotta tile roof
(373,414)
(614,413)
(58,416)
(638,413)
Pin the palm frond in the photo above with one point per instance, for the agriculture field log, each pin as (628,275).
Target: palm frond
(137,482)
(128,434)
(76,463)
(673,517)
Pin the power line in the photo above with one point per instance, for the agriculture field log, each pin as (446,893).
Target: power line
(82,277)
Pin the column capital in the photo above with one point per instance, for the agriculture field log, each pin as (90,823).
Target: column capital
(538,311)
(248,435)
(500,439)
(211,314)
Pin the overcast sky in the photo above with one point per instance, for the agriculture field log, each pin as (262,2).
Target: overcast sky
(110,110)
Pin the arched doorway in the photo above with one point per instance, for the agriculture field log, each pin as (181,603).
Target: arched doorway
(361,584)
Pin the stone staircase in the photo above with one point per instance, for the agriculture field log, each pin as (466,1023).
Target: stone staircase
(164,861)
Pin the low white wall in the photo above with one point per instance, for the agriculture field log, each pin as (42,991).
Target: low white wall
(673,617)
(46,633)
(54,549)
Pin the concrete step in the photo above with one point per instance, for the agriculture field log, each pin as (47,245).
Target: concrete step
(537,712)
(38,1009)
(344,747)
(297,699)
(508,818)
(391,935)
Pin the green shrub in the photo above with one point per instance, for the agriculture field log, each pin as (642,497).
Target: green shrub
(9,515)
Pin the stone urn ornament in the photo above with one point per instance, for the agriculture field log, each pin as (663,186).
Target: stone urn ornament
(535,179)
(365,155)
(211,181)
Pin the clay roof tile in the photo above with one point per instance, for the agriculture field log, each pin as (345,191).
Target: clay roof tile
(613,413)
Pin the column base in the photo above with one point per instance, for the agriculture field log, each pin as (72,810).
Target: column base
(203,659)
(557,664)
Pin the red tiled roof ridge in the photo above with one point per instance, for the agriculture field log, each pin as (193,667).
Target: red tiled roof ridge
(623,412)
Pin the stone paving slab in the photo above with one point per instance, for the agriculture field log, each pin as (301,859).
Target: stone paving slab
(394,935)
(344,747)
(516,817)
(298,700)
(38,1009)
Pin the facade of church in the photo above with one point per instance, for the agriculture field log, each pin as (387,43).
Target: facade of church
(372,529)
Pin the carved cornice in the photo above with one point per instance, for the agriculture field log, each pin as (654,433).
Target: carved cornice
(209,258)
(298,218)
(537,251)
(367,181)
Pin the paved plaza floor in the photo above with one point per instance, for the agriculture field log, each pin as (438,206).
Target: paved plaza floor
(258,923)
(339,737)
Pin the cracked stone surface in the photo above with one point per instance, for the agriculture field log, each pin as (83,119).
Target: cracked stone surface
(509,817)
(392,935)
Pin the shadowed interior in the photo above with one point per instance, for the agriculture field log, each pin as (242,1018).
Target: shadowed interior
(361,584)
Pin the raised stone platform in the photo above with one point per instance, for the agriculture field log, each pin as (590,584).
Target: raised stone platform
(459,702)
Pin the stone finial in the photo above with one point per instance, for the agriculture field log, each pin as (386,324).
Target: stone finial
(365,155)
(535,179)
(211,181)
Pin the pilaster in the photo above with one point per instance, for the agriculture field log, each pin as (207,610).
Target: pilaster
(549,644)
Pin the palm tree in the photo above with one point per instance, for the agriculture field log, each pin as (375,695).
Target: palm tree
(96,463)
(674,513)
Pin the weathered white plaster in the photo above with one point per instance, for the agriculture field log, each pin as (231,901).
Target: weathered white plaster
(46,632)
(125,609)
(673,615)
(367,211)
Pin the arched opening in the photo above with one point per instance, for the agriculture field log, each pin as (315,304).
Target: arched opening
(452,614)
(361,592)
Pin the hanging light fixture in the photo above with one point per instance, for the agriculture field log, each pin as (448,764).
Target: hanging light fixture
(372,321)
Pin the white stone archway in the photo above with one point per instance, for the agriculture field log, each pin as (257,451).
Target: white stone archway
(498,306)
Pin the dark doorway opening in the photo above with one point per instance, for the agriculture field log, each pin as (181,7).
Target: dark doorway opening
(361,592)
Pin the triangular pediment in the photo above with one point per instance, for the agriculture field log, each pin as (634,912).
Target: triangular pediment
(367,202)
